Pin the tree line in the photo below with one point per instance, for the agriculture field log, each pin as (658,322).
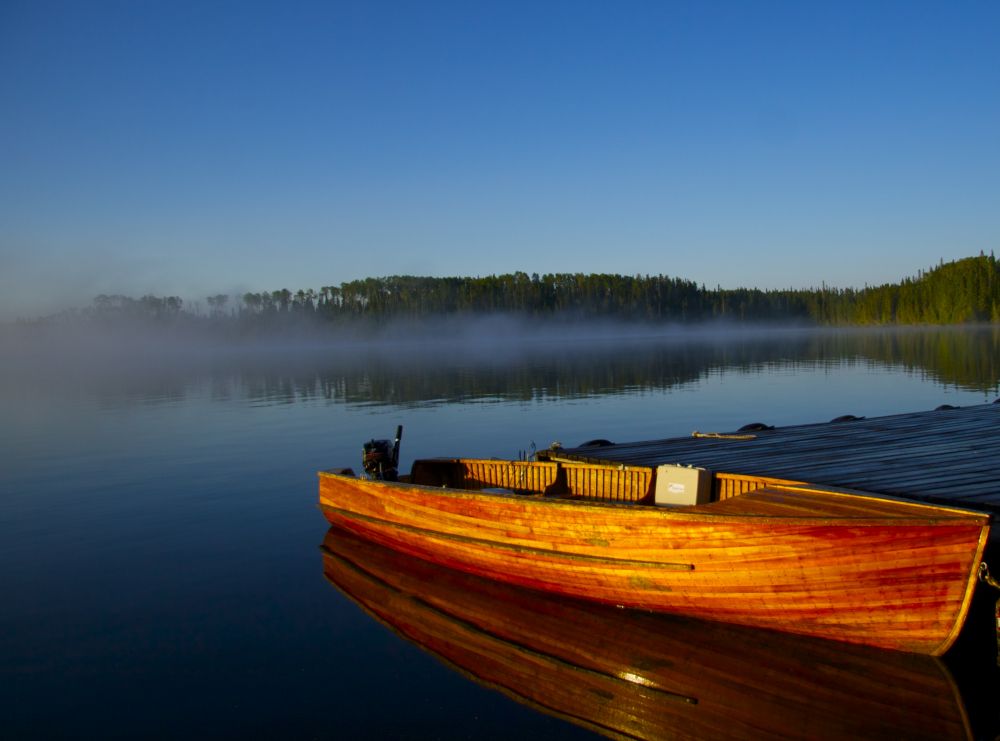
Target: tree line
(963,291)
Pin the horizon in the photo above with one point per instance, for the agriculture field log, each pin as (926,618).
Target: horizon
(191,150)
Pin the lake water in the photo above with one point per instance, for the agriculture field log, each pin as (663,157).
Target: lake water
(160,558)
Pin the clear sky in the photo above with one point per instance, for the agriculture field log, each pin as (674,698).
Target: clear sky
(194,148)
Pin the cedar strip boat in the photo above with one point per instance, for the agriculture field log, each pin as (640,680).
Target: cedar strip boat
(764,553)
(627,674)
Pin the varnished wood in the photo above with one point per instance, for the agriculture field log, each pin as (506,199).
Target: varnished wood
(727,485)
(803,559)
(617,483)
(638,675)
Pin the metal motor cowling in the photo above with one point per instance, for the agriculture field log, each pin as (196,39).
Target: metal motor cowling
(380,458)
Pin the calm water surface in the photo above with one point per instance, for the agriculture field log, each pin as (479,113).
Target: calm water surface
(160,542)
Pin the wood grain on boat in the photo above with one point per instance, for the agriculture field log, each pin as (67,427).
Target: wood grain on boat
(626,674)
(802,559)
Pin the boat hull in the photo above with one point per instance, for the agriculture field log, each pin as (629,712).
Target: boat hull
(628,674)
(898,577)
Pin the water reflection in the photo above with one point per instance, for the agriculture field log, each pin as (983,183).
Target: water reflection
(638,675)
(430,373)
(534,370)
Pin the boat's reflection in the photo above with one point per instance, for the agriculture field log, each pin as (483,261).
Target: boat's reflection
(638,675)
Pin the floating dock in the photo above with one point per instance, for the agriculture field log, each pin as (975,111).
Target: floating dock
(950,455)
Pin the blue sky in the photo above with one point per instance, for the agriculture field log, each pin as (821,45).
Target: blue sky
(194,148)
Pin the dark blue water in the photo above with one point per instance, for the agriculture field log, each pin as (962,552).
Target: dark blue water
(159,537)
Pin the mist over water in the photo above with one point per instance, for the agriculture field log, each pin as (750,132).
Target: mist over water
(503,357)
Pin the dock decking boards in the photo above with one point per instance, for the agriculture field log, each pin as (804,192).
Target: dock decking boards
(946,456)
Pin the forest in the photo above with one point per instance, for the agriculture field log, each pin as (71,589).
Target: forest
(959,292)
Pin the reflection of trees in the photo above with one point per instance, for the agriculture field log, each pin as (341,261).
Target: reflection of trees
(967,359)
(514,368)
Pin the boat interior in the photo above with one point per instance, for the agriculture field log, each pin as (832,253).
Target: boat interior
(727,493)
(572,480)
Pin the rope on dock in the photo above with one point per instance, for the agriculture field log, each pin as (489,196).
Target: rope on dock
(720,436)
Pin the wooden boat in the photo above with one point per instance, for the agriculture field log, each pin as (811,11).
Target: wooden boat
(629,674)
(758,552)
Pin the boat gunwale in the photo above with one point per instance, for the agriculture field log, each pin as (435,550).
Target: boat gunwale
(928,513)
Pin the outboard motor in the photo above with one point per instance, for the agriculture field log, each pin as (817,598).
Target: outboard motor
(380,458)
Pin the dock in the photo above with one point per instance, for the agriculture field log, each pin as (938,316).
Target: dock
(950,455)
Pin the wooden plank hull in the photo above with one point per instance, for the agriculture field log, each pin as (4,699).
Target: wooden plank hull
(890,574)
(638,675)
